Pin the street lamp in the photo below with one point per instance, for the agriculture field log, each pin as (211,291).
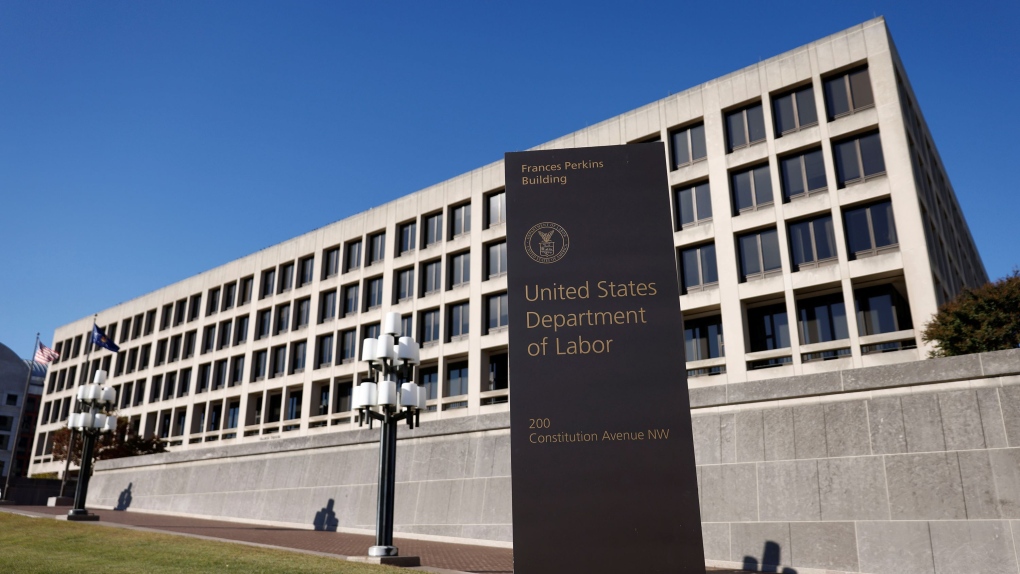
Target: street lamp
(390,359)
(95,403)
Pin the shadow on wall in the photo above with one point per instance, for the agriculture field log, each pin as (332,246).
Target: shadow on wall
(124,500)
(325,518)
(770,560)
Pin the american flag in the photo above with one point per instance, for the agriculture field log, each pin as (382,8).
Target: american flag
(45,354)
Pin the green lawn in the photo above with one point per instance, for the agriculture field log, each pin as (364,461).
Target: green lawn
(49,546)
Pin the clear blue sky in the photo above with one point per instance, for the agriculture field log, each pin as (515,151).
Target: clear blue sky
(144,142)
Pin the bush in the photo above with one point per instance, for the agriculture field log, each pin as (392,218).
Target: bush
(977,321)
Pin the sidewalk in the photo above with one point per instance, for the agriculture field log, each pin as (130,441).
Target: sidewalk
(435,556)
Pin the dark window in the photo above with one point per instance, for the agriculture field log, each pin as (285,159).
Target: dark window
(164,323)
(456,379)
(881,309)
(496,259)
(219,374)
(350,300)
(294,405)
(376,247)
(348,345)
(282,319)
(259,361)
(373,292)
(150,322)
(180,312)
(175,349)
(332,266)
(408,233)
(303,313)
(688,145)
(343,397)
(499,372)
(233,410)
(431,277)
(812,241)
(195,307)
(848,93)
(208,338)
(693,204)
(229,293)
(246,284)
(352,255)
(802,174)
(460,269)
(268,283)
(286,277)
(459,321)
(241,330)
(870,229)
(752,188)
(703,338)
(822,319)
(324,351)
(430,326)
(224,338)
(327,305)
(406,326)
(370,331)
(236,370)
(858,159)
(495,209)
(306,270)
(298,350)
(143,357)
(405,284)
(698,268)
(794,111)
(768,328)
(428,377)
(759,254)
(460,220)
(136,328)
(262,323)
(497,312)
(433,232)
(279,361)
(212,301)
(745,127)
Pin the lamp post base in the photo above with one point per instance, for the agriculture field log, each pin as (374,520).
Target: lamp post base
(81,516)
(382,551)
(403,561)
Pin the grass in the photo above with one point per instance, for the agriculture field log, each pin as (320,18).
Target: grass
(49,546)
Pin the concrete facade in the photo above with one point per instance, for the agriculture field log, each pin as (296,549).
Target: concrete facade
(16,436)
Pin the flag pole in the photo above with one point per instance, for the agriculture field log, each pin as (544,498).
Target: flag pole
(74,432)
(21,423)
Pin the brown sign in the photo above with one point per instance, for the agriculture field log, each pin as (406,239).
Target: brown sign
(602,453)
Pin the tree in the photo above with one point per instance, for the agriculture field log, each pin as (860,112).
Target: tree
(979,320)
(117,444)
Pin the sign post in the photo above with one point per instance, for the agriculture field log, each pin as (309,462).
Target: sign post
(601,448)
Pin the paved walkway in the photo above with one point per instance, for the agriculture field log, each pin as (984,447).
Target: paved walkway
(435,556)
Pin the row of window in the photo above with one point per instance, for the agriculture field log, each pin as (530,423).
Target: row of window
(857,159)
(870,229)
(792,111)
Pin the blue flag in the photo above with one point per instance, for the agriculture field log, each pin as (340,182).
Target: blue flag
(100,339)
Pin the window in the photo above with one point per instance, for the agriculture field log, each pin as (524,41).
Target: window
(858,159)
(352,256)
(768,328)
(286,277)
(759,254)
(687,145)
(376,247)
(279,361)
(229,293)
(350,300)
(370,331)
(224,338)
(298,350)
(233,410)
(745,127)
(236,370)
(881,309)
(408,234)
(498,317)
(794,111)
(179,313)
(460,220)
(459,321)
(212,301)
(495,209)
(802,174)
(194,307)
(693,205)
(405,284)
(752,189)
(373,292)
(324,351)
(332,266)
(822,319)
(136,328)
(460,269)
(208,339)
(175,349)
(327,306)
(703,339)
(150,322)
(241,330)
(143,357)
(268,283)
(430,326)
(431,277)
(262,323)
(496,259)
(283,318)
(499,372)
(343,397)
(698,268)
(406,326)
(433,232)
(304,311)
(428,377)
(219,374)
(348,346)
(157,385)
(456,379)
(812,242)
(246,284)
(202,383)
(870,229)
(259,363)
(164,323)
(848,93)
(293,405)
(306,269)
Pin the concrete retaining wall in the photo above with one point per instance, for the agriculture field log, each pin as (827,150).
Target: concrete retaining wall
(900,469)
